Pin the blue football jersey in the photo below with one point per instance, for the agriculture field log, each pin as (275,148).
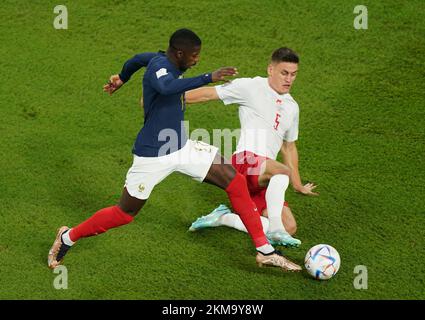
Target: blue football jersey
(163,131)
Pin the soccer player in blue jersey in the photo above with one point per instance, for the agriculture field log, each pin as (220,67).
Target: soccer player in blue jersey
(162,147)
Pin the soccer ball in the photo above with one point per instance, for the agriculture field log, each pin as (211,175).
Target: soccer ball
(322,261)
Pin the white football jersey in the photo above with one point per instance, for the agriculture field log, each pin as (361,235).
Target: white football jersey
(267,118)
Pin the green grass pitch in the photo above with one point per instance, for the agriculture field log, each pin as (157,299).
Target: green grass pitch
(66,147)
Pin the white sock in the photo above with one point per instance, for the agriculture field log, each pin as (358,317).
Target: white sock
(66,239)
(266,248)
(233,220)
(275,197)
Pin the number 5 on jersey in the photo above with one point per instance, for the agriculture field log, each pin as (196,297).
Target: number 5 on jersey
(276,121)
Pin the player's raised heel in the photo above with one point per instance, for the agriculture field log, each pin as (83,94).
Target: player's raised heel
(58,249)
(276,259)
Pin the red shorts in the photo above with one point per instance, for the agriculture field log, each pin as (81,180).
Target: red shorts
(249,165)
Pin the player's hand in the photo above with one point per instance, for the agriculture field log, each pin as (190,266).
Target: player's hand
(113,84)
(220,74)
(307,189)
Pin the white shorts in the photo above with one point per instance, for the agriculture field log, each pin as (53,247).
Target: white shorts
(194,160)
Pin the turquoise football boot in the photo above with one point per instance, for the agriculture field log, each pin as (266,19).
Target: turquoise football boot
(210,220)
(282,238)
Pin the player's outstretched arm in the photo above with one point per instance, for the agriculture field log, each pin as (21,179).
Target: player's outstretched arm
(203,94)
(166,84)
(129,68)
(290,155)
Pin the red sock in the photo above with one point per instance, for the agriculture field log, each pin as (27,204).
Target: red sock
(100,222)
(238,194)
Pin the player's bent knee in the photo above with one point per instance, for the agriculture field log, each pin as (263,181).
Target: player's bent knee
(129,204)
(229,172)
(285,170)
(220,175)
(131,208)
(273,168)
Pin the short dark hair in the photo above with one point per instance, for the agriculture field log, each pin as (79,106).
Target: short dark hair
(285,55)
(184,39)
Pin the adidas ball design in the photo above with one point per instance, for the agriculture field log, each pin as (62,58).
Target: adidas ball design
(322,261)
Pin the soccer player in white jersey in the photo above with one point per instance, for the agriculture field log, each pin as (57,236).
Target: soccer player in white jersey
(269,118)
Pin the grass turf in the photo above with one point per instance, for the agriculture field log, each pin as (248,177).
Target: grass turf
(66,146)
